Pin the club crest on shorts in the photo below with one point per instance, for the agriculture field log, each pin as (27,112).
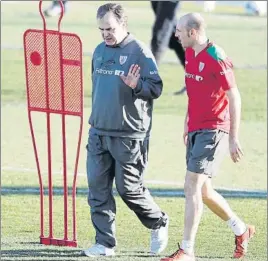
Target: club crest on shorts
(201,66)
(122,59)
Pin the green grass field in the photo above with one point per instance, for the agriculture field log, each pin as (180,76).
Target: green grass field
(243,38)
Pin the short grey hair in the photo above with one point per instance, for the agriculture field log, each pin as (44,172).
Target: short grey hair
(115,8)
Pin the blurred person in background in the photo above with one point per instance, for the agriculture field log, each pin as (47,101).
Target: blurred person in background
(55,9)
(163,35)
(258,8)
(209,6)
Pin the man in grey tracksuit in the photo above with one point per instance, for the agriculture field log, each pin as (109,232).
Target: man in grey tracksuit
(125,82)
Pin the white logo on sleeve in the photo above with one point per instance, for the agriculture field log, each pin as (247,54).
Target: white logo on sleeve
(226,71)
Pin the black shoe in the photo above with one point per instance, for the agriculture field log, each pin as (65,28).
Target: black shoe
(180,92)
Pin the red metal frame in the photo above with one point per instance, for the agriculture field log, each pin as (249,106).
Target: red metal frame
(50,240)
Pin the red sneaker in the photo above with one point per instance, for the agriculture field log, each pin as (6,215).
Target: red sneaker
(179,255)
(241,242)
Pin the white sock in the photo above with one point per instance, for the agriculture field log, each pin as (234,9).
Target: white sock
(237,225)
(187,246)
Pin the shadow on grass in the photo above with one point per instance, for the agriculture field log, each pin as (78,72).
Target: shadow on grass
(47,254)
(204,258)
(157,192)
(62,254)
(40,253)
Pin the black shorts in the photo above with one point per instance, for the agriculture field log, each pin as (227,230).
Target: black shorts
(205,150)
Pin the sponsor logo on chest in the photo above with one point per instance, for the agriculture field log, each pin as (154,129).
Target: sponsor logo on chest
(109,72)
(196,77)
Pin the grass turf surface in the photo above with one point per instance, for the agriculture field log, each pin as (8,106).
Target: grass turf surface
(243,38)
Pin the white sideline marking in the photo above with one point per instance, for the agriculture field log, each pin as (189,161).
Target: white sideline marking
(164,192)
(167,192)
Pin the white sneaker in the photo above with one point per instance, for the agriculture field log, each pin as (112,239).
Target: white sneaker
(159,238)
(98,250)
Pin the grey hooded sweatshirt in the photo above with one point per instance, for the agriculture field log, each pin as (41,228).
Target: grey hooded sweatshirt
(117,109)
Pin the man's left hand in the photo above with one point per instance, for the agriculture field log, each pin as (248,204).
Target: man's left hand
(236,152)
(133,76)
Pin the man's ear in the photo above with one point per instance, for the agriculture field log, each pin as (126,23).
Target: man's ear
(191,32)
(125,21)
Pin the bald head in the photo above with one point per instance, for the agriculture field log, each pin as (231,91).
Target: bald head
(193,21)
(190,30)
